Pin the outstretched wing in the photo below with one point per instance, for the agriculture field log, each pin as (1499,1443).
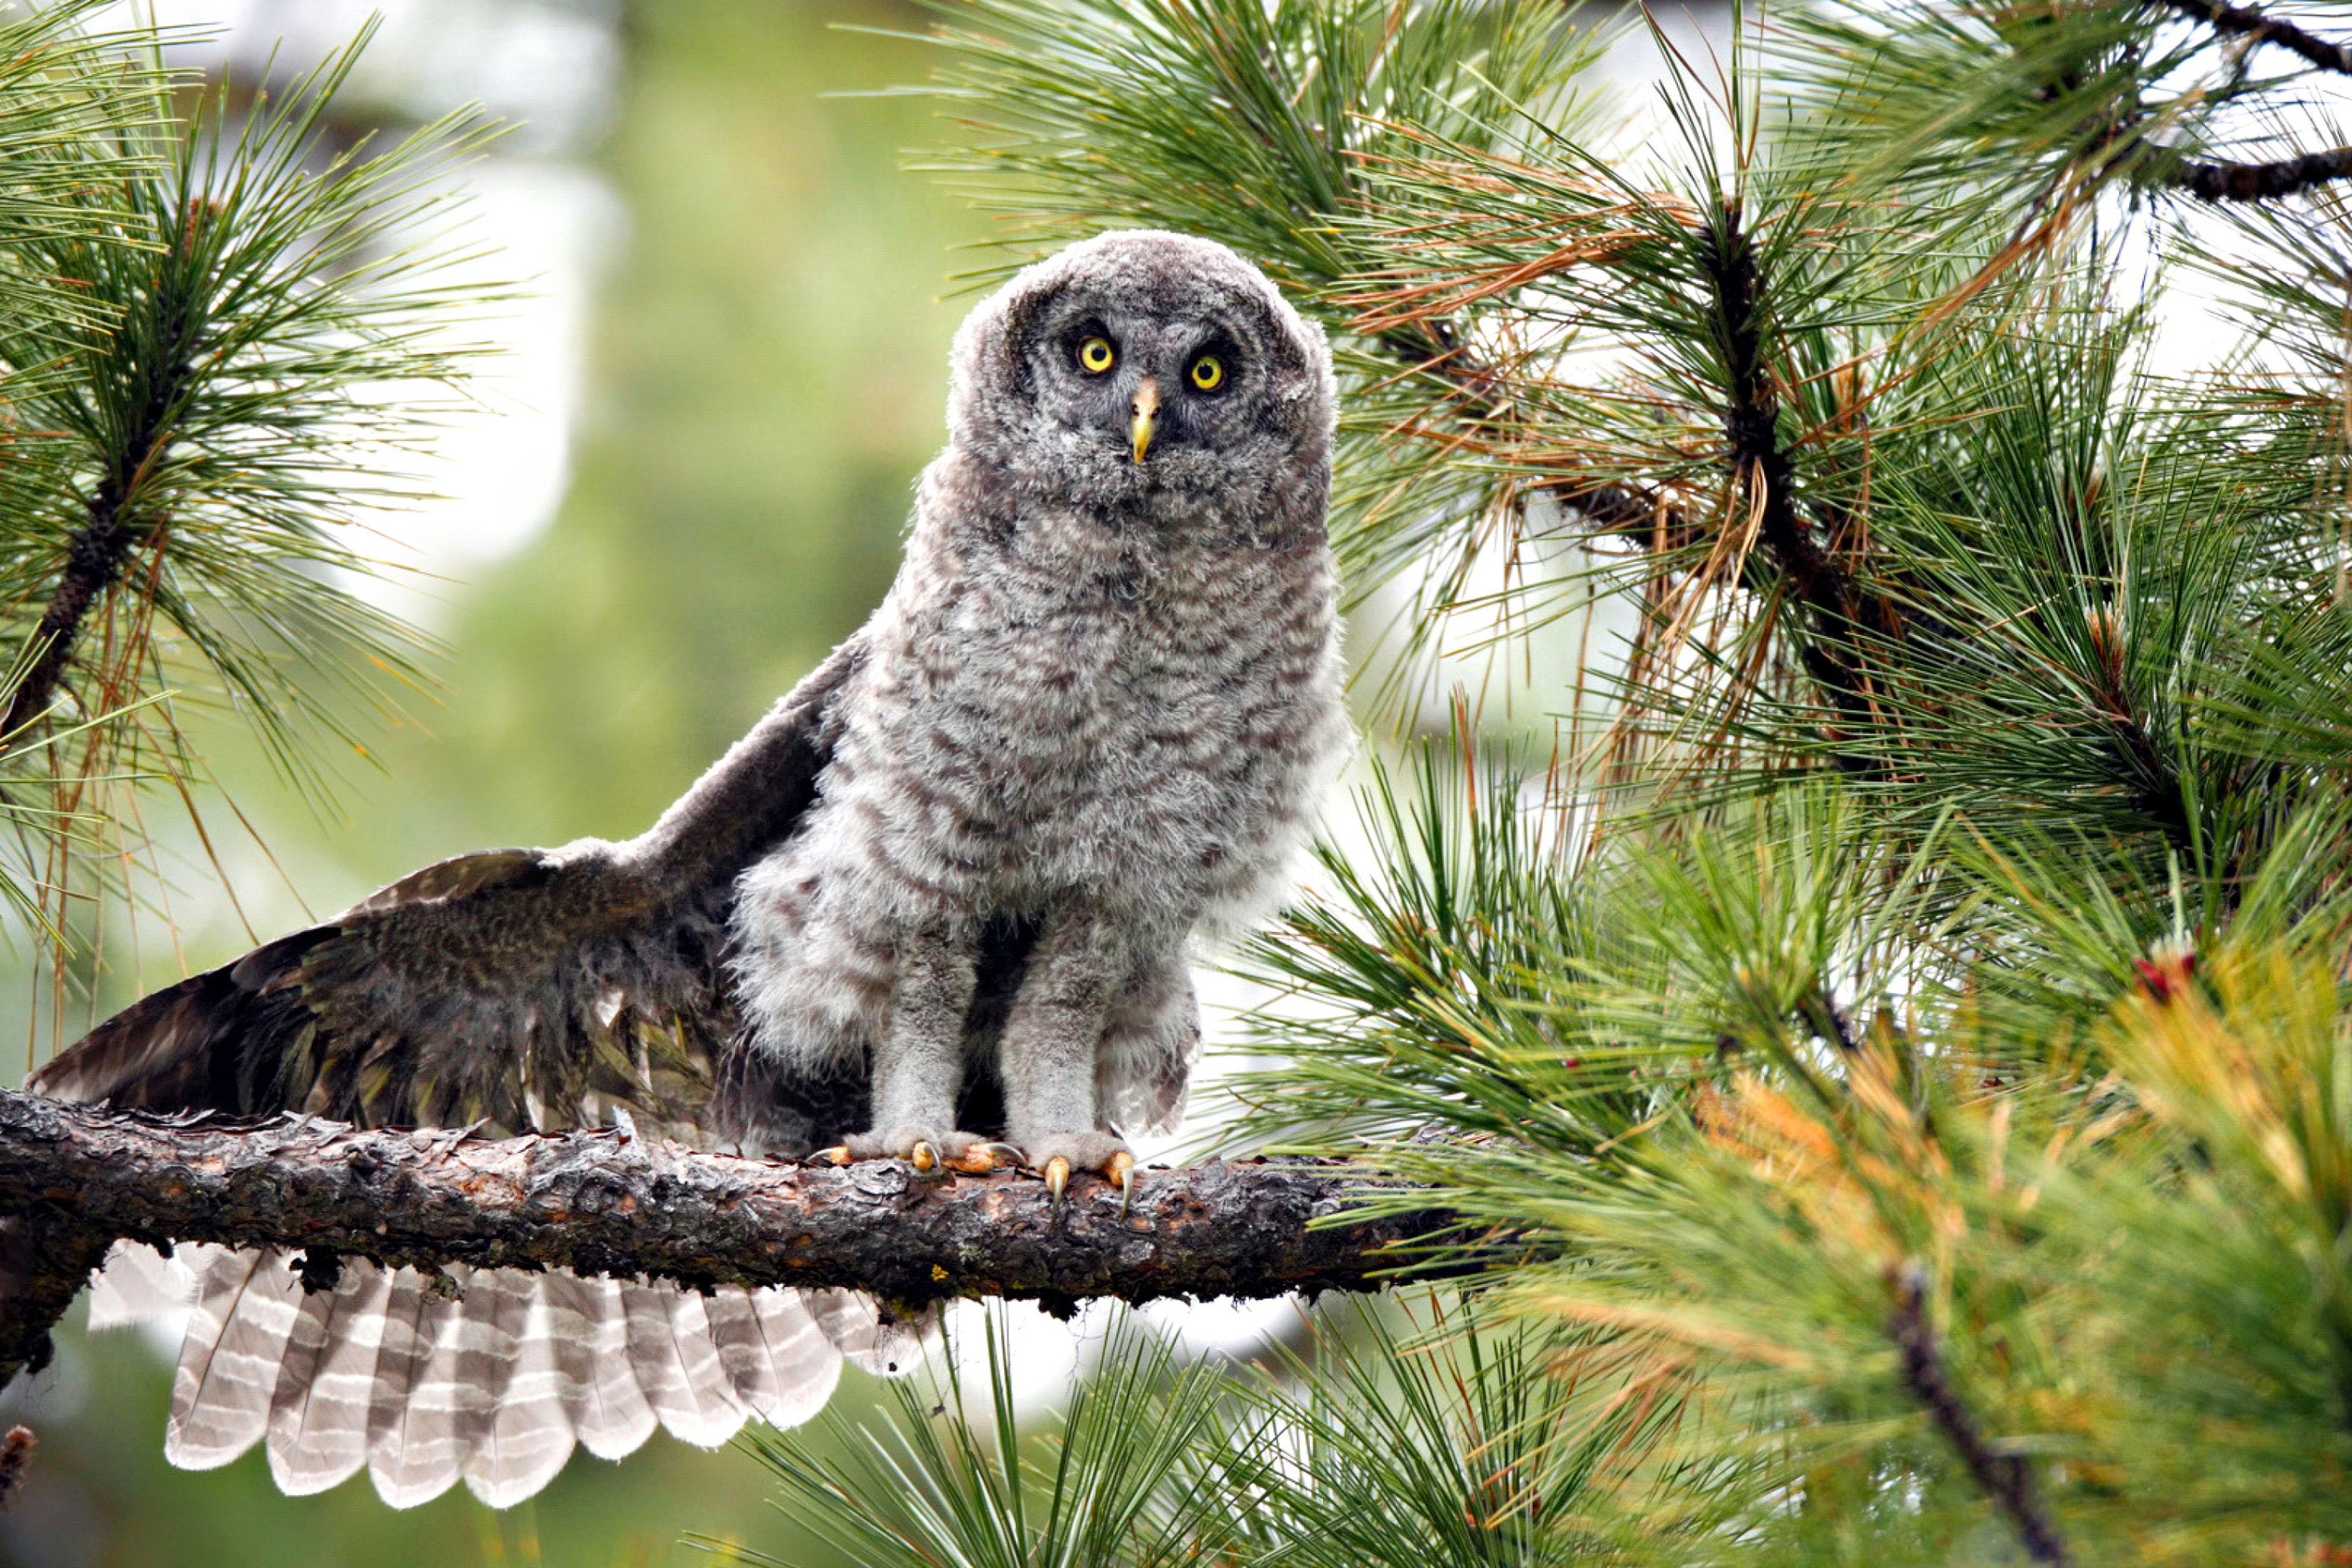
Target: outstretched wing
(524,989)
(528,990)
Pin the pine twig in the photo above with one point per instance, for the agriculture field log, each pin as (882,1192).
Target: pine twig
(96,550)
(1831,599)
(2245,22)
(2006,1479)
(611,1203)
(95,554)
(2226,182)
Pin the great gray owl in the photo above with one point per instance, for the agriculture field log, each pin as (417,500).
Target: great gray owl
(936,906)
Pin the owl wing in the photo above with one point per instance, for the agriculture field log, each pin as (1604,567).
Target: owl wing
(528,990)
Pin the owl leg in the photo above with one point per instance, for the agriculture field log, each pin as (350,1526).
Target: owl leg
(1052,1037)
(1148,1050)
(917,1064)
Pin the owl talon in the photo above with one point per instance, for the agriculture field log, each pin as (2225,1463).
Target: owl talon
(923,1157)
(836,1155)
(1057,1177)
(1121,1169)
(981,1158)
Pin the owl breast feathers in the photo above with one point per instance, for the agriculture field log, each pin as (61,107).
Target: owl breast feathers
(937,906)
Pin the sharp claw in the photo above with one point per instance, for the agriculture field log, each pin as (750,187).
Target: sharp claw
(976,1160)
(923,1157)
(836,1155)
(1057,1177)
(1120,1168)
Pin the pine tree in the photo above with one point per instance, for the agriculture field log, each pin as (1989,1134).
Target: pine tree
(1898,1016)
(203,301)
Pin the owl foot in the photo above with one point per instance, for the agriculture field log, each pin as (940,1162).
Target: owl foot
(925,1150)
(1057,1154)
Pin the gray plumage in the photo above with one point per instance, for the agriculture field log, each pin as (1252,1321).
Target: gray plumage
(1091,709)
(944,894)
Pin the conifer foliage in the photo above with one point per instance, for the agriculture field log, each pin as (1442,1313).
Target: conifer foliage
(1901,1009)
(205,297)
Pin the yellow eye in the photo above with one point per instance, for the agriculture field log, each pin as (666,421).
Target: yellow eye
(1208,373)
(1096,355)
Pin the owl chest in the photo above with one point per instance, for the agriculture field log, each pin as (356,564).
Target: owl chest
(1100,741)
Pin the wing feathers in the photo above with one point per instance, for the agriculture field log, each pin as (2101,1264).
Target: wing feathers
(137,1284)
(806,1366)
(412,1440)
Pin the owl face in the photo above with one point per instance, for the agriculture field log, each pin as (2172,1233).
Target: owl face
(1145,369)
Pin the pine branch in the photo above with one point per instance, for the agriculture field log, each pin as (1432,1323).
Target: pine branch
(2006,1479)
(2226,182)
(94,557)
(2245,21)
(611,1203)
(44,1262)
(1625,510)
(1831,599)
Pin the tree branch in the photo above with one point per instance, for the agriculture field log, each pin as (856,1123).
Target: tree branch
(2245,21)
(2261,182)
(1621,508)
(79,1176)
(96,550)
(2006,1479)
(1832,600)
(94,557)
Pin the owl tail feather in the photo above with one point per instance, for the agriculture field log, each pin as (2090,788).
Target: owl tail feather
(491,1377)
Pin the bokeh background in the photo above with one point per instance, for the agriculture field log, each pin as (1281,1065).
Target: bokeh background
(686,481)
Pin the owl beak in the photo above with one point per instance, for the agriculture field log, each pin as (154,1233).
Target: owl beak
(1147,414)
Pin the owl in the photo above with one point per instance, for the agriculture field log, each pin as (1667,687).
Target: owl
(937,906)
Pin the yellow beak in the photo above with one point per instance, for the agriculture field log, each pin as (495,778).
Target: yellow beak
(1147,414)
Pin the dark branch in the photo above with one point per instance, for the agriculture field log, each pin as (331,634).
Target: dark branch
(2245,21)
(2261,182)
(95,554)
(45,1259)
(96,550)
(1832,602)
(607,1203)
(2006,1479)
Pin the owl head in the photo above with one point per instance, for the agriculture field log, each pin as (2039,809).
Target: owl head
(1146,371)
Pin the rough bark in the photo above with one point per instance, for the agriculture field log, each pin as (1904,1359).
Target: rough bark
(74,1177)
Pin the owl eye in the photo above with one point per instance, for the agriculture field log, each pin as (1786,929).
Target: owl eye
(1208,373)
(1096,355)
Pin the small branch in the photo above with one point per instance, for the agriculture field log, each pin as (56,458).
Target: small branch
(44,1262)
(2261,182)
(1621,508)
(1832,601)
(95,554)
(2006,1479)
(96,550)
(607,1203)
(2245,21)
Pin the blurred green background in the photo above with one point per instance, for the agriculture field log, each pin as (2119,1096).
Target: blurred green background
(763,377)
